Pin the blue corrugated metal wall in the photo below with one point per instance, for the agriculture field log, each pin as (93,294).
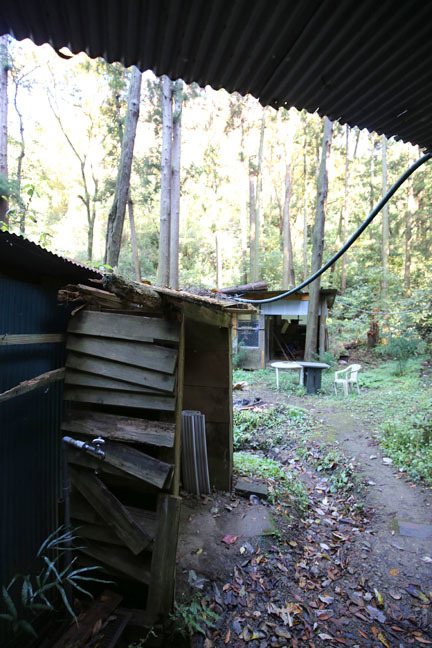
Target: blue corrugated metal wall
(29,424)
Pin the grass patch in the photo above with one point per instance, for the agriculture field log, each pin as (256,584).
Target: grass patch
(282,483)
(268,428)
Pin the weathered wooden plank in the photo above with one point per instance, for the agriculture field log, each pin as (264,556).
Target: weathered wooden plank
(213,402)
(96,532)
(120,559)
(82,511)
(179,407)
(118,371)
(32,338)
(138,354)
(138,464)
(84,379)
(126,327)
(119,428)
(79,633)
(206,315)
(120,399)
(34,383)
(161,591)
(116,516)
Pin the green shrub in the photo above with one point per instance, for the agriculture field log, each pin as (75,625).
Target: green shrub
(399,348)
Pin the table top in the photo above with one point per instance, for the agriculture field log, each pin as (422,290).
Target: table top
(314,365)
(284,364)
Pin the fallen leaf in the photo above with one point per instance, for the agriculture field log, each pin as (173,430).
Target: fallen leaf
(381,637)
(324,636)
(229,539)
(426,559)
(228,636)
(415,591)
(97,627)
(376,614)
(208,643)
(326,598)
(423,640)
(394,572)
(379,599)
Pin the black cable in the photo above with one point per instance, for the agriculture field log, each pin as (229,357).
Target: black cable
(350,241)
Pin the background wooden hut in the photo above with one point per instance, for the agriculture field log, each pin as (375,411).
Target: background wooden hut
(277,331)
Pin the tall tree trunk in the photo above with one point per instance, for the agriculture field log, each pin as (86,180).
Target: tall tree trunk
(385,225)
(175,186)
(135,252)
(243,234)
(218,246)
(253,271)
(305,213)
(118,209)
(371,175)
(345,208)
(165,203)
(409,216)
(20,159)
(288,276)
(318,244)
(258,201)
(4,67)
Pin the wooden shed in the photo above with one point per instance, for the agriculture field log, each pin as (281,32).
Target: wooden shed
(277,330)
(136,358)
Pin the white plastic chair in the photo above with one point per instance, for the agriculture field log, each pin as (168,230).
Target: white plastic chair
(347,377)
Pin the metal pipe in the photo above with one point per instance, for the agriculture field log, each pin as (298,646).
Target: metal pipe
(95,450)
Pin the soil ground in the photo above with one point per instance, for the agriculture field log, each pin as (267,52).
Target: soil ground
(355,570)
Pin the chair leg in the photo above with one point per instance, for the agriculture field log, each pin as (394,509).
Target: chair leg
(345,388)
(334,385)
(358,388)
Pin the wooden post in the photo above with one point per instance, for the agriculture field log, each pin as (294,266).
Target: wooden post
(179,407)
(162,579)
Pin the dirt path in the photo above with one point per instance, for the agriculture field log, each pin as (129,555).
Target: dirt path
(401,508)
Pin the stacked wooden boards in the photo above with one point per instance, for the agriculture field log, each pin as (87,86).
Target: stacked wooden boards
(121,384)
(122,360)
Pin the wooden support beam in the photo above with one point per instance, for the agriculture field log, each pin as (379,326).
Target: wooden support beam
(206,315)
(178,413)
(30,338)
(34,383)
(161,590)
(119,428)
(116,516)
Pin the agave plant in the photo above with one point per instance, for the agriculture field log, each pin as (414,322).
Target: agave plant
(36,591)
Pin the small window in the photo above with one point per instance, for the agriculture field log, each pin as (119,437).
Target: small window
(247,333)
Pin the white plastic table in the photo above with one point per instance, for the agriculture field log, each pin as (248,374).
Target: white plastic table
(283,364)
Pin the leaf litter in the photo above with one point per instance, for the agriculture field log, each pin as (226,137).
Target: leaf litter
(305,586)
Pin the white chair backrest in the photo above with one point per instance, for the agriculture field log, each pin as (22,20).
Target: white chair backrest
(355,368)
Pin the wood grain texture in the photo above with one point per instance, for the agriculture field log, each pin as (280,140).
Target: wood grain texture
(138,464)
(126,327)
(32,338)
(119,428)
(34,383)
(161,592)
(119,559)
(138,354)
(120,399)
(118,371)
(115,515)
(85,379)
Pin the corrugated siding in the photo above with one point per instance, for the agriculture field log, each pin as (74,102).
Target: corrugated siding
(365,63)
(29,425)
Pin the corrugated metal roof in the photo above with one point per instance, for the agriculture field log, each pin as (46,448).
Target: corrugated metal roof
(19,255)
(365,63)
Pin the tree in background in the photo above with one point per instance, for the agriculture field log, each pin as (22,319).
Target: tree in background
(175,185)
(118,209)
(318,243)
